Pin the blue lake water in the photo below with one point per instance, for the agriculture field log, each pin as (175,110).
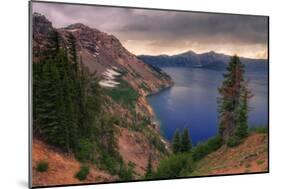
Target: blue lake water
(192,102)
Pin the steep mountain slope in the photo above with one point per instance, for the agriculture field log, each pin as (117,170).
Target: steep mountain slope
(62,167)
(102,54)
(125,79)
(249,157)
(210,60)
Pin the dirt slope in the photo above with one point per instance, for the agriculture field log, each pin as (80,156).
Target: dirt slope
(62,167)
(134,147)
(249,157)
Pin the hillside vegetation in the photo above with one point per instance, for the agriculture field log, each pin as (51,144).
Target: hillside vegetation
(88,98)
(250,156)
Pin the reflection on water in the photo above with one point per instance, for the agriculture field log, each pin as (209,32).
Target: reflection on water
(192,102)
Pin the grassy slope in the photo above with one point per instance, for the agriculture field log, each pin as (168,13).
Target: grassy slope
(250,156)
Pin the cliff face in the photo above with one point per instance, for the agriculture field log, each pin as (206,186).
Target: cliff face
(119,71)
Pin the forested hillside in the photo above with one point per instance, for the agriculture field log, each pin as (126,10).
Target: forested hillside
(85,105)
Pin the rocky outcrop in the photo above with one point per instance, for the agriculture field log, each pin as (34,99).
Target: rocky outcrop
(44,37)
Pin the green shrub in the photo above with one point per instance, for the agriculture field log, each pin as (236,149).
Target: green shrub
(259,129)
(215,143)
(84,150)
(200,151)
(110,162)
(259,162)
(127,171)
(124,94)
(173,166)
(203,149)
(83,172)
(233,141)
(42,166)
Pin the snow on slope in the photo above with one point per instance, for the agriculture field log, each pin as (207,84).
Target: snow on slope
(109,78)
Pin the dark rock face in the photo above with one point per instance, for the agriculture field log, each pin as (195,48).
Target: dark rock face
(44,37)
(210,60)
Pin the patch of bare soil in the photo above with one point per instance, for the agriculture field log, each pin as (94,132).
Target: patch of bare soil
(134,147)
(249,157)
(62,167)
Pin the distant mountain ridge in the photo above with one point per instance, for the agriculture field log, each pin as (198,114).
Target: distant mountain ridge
(208,60)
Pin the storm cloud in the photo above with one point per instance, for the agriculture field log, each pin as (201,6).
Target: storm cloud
(167,32)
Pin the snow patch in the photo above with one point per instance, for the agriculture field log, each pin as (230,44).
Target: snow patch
(110,74)
(106,83)
(109,78)
(73,30)
(95,54)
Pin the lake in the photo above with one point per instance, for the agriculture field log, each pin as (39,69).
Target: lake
(192,102)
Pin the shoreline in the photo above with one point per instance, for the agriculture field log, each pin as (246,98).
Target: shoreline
(156,124)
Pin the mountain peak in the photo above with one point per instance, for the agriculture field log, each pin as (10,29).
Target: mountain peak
(40,19)
(190,52)
(77,26)
(37,14)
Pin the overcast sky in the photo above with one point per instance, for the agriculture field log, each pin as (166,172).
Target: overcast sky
(166,32)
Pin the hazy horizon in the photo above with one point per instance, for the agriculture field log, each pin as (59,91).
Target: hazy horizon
(155,32)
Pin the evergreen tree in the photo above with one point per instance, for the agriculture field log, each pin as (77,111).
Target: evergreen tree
(176,145)
(230,92)
(242,128)
(67,107)
(232,105)
(186,144)
(72,52)
(149,169)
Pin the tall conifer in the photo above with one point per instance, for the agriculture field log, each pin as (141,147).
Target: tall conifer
(186,144)
(176,144)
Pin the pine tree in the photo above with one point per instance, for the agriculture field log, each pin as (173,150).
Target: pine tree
(186,144)
(233,104)
(67,105)
(176,145)
(230,92)
(47,102)
(72,52)
(242,128)
(149,169)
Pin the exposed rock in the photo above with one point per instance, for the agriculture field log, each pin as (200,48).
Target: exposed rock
(44,37)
